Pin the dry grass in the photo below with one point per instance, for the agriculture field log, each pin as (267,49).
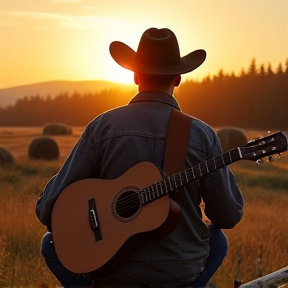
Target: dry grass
(20,231)
(262,232)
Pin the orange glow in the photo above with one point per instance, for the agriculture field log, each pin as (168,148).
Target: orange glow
(69,39)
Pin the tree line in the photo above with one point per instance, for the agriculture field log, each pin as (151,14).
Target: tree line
(255,99)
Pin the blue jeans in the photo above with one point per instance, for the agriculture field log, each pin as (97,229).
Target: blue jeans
(218,251)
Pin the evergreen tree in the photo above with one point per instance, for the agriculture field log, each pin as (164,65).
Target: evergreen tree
(252,71)
(269,69)
(262,70)
(280,69)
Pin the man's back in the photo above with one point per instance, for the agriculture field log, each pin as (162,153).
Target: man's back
(137,132)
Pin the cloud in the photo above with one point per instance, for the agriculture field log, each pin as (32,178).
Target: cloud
(92,22)
(65,1)
(87,22)
(35,15)
(87,7)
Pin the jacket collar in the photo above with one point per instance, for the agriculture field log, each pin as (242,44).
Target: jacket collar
(155,96)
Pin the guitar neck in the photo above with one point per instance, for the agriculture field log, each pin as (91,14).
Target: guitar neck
(178,180)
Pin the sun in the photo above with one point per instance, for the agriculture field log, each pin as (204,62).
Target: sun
(94,63)
(120,75)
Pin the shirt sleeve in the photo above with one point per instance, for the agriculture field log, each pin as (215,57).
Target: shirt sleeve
(223,199)
(224,203)
(77,166)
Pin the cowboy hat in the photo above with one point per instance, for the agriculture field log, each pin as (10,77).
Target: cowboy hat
(157,53)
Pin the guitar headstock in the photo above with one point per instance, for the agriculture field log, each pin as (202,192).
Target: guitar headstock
(269,145)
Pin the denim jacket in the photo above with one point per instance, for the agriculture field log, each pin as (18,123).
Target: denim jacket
(120,138)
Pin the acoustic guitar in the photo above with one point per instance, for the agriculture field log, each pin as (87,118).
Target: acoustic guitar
(97,223)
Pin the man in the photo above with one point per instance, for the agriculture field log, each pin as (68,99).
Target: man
(119,139)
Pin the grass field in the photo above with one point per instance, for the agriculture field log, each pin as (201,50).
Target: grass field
(260,239)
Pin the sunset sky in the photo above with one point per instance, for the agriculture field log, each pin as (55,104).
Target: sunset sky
(43,40)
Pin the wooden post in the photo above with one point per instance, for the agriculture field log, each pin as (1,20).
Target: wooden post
(272,280)
(237,278)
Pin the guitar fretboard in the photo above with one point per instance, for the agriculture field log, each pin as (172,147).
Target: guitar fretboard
(178,180)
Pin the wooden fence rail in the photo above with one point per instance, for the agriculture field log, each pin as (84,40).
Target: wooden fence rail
(272,280)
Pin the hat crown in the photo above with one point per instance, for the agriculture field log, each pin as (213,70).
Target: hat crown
(158,47)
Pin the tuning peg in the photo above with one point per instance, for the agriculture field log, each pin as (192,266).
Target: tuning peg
(270,158)
(279,155)
(260,161)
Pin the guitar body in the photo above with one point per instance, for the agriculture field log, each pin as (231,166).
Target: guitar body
(98,253)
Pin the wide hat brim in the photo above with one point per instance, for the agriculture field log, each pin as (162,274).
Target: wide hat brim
(126,57)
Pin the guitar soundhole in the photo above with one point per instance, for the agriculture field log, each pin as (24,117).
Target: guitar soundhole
(127,204)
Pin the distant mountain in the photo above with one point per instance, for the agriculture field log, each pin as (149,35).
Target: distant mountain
(9,96)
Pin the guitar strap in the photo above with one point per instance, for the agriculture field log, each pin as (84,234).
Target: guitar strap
(176,144)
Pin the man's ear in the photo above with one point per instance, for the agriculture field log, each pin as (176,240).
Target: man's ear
(136,79)
(177,81)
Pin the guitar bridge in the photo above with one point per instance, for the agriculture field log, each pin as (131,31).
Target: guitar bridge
(93,219)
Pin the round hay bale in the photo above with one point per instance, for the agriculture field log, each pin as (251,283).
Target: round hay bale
(57,129)
(231,137)
(6,158)
(43,148)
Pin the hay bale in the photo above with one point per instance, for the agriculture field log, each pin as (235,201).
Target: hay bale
(43,148)
(231,137)
(57,129)
(6,158)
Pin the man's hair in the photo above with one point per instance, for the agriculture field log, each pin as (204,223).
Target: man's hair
(157,80)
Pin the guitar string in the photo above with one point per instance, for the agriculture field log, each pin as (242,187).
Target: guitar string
(201,168)
(188,173)
(179,176)
(126,199)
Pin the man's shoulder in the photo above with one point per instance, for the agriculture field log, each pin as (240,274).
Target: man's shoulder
(199,124)
(203,135)
(110,113)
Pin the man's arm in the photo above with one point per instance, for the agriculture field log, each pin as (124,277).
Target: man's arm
(77,166)
(223,199)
